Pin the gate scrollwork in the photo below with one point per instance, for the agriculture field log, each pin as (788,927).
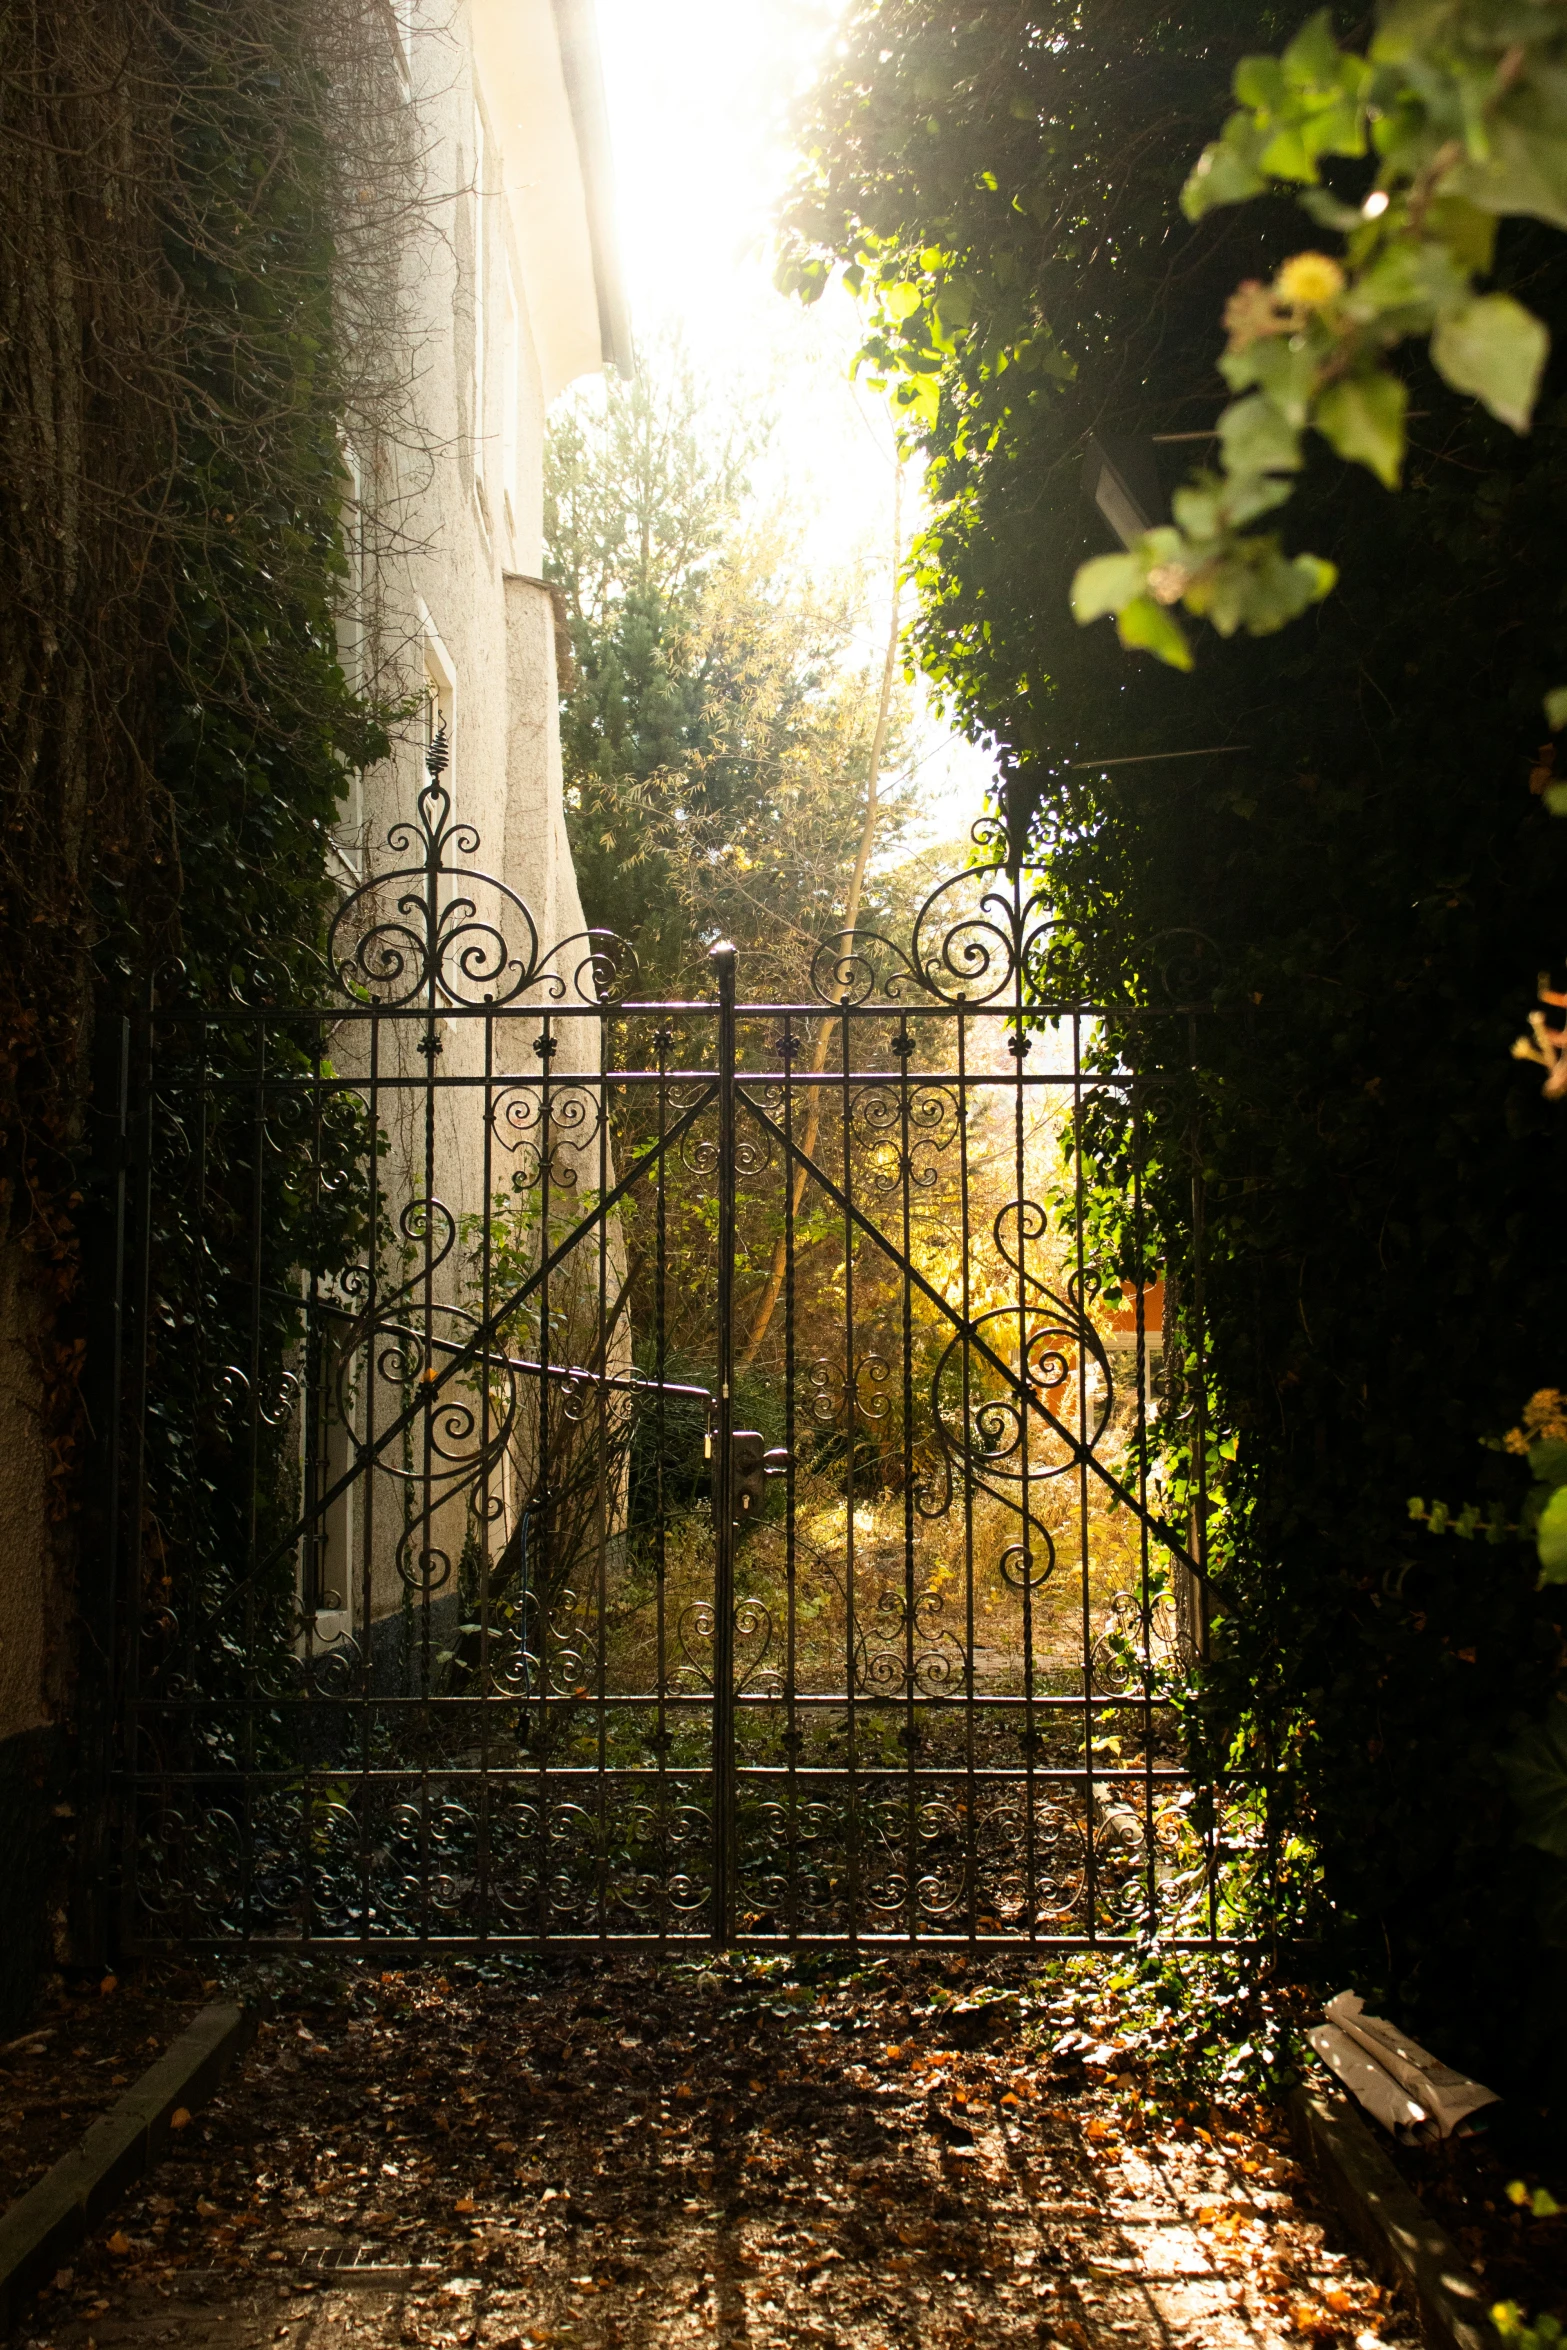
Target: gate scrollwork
(470,1650)
(437,930)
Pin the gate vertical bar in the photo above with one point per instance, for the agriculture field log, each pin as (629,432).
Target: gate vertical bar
(723,961)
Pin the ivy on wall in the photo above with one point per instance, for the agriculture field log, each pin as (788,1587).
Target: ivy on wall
(176,728)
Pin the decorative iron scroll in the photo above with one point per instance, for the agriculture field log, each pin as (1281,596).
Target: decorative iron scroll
(993,1440)
(460,1437)
(556,1127)
(974,938)
(982,935)
(439,930)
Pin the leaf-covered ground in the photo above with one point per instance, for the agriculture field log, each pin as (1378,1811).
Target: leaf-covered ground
(84,2044)
(738,2154)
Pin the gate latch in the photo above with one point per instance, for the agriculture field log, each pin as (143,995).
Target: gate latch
(751,1464)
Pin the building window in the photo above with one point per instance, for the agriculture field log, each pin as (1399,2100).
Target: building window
(347,834)
(510,397)
(351,609)
(481,265)
(440,697)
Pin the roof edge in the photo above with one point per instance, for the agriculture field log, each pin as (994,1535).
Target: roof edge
(576,26)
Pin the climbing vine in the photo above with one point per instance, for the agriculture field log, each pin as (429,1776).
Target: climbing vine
(1353,854)
(197,200)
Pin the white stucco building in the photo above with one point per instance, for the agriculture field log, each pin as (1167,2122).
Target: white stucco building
(508,293)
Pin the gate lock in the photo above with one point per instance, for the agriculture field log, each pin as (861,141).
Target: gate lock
(751,1464)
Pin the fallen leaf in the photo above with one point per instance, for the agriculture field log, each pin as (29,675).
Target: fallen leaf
(465,2203)
(179,2119)
(119,2244)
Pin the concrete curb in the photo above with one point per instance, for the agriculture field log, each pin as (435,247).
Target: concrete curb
(38,2234)
(1390,2223)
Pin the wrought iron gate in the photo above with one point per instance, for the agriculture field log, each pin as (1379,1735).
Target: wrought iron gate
(608,1471)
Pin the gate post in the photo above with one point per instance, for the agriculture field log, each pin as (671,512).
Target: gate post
(723,961)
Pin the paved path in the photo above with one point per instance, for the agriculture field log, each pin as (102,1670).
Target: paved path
(619,2158)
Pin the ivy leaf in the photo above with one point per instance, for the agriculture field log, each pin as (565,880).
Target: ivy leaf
(1226,172)
(1257,438)
(1147,627)
(1328,212)
(1311,60)
(1556,708)
(1286,156)
(1107,584)
(1526,169)
(1259,82)
(1495,349)
(1363,420)
(1548,1460)
(1551,1538)
(1288,375)
(1535,1769)
(1467,232)
(900,301)
(919,397)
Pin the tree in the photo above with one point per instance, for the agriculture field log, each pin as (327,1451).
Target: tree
(1360,855)
(717,736)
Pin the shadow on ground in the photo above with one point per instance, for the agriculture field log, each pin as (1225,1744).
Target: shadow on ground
(630,2154)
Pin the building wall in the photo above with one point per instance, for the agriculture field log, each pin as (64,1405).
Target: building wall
(502,311)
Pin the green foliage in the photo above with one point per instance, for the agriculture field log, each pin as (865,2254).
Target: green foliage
(1459,108)
(259,726)
(1519,2334)
(1538,2201)
(1348,890)
(258,730)
(1536,1773)
(1550,1536)
(716,738)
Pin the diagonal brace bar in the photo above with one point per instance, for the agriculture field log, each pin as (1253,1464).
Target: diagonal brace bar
(476,1347)
(1164,1533)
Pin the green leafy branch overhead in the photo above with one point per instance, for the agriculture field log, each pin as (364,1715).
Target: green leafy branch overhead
(1462,106)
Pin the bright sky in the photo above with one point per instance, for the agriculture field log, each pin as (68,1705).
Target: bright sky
(700,96)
